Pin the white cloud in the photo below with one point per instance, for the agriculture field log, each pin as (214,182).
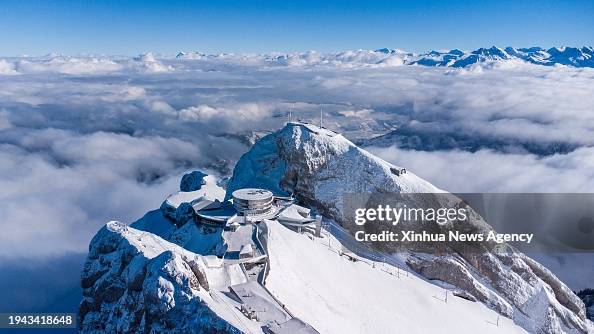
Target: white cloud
(489,171)
(148,63)
(53,200)
(84,140)
(7,68)
(228,119)
(201,113)
(69,65)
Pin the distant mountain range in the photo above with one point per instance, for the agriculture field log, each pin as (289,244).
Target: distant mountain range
(569,56)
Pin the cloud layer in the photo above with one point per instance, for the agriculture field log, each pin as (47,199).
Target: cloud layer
(489,171)
(84,140)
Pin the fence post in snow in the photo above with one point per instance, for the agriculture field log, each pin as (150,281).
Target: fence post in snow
(318,225)
(496,323)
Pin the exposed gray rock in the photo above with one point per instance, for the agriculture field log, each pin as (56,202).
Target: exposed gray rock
(198,270)
(453,270)
(319,167)
(587,296)
(130,287)
(463,294)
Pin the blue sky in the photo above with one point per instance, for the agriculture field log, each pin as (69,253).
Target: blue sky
(132,27)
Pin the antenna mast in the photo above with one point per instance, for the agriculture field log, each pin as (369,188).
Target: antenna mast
(290,113)
(321,117)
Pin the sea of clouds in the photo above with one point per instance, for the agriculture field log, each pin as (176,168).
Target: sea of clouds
(85,140)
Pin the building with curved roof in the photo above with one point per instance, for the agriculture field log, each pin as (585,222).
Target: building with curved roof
(253,201)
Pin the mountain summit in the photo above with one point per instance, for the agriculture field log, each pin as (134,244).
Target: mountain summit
(200,264)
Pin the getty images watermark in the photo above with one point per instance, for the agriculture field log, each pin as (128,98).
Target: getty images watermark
(440,216)
(472,221)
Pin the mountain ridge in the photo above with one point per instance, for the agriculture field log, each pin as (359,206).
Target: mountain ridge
(168,273)
(319,167)
(456,58)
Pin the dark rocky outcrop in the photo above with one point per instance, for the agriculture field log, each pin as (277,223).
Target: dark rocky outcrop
(130,285)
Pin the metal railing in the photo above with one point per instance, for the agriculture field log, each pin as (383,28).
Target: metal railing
(361,250)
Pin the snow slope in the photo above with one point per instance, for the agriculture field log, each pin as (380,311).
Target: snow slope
(135,281)
(336,295)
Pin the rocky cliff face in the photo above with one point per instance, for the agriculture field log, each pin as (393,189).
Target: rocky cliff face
(319,167)
(587,295)
(136,282)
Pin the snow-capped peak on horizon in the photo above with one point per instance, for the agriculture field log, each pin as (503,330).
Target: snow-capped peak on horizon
(153,62)
(569,56)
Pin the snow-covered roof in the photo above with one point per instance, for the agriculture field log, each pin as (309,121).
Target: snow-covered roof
(295,214)
(236,240)
(217,211)
(202,204)
(246,249)
(252,194)
(292,326)
(211,261)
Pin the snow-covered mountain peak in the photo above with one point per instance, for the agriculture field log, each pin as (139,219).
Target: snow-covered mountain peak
(319,167)
(174,270)
(316,164)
